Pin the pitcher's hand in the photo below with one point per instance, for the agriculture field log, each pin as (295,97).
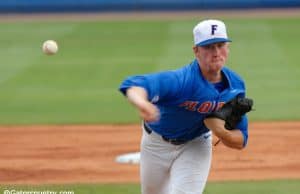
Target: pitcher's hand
(148,111)
(138,97)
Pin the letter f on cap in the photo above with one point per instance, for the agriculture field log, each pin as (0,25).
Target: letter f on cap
(213,29)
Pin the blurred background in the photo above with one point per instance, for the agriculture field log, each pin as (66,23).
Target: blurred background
(138,5)
(101,42)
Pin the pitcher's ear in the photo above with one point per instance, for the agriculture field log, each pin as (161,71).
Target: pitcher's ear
(195,49)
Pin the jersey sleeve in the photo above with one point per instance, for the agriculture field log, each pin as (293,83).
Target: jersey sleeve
(243,127)
(159,86)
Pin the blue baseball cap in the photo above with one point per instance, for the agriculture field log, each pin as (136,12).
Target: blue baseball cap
(210,32)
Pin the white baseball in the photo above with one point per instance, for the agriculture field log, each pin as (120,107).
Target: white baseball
(50,47)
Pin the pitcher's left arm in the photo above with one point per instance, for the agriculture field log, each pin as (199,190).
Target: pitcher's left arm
(229,122)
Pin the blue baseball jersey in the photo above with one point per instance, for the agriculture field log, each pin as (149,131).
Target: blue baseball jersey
(184,98)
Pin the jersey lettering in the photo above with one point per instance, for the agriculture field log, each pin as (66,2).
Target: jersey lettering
(189,105)
(204,107)
(220,104)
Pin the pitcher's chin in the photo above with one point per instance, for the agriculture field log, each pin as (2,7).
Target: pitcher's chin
(216,67)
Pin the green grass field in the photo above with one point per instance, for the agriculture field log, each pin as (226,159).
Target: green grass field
(80,83)
(244,187)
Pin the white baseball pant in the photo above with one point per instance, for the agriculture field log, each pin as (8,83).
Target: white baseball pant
(174,169)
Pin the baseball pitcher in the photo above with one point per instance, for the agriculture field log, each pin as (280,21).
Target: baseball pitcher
(181,108)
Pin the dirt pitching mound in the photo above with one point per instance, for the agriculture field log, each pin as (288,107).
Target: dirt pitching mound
(86,154)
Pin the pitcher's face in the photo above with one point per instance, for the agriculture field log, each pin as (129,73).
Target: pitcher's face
(213,56)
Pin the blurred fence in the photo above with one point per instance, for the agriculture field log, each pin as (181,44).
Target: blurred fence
(136,5)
